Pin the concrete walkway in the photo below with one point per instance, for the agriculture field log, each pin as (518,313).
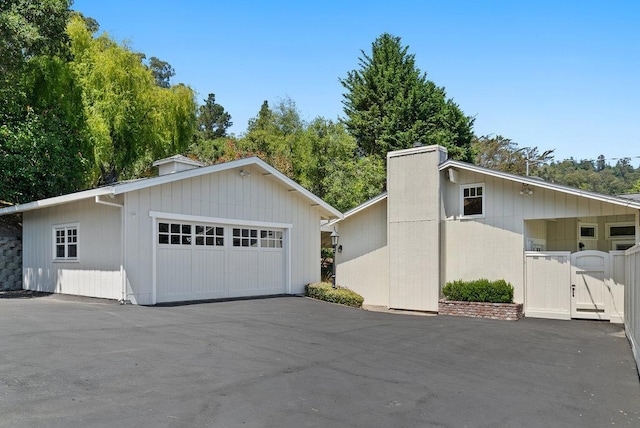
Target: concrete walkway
(295,362)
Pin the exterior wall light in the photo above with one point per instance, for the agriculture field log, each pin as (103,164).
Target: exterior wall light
(334,243)
(526,190)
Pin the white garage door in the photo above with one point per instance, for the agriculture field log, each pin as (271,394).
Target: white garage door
(197,261)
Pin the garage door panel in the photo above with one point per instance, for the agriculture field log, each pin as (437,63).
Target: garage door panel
(198,261)
(270,267)
(243,275)
(171,280)
(208,273)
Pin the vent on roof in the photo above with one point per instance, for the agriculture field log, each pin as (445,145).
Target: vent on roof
(175,164)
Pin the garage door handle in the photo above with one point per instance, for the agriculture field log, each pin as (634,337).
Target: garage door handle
(573,290)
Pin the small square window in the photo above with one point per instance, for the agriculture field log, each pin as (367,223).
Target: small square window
(65,242)
(588,231)
(472,200)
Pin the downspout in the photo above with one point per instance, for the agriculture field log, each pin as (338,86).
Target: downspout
(123,281)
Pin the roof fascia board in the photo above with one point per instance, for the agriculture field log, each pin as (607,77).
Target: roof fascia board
(117,189)
(182,175)
(164,179)
(57,200)
(450,163)
(316,200)
(361,207)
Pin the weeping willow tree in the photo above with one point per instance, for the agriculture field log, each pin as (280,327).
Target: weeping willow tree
(130,119)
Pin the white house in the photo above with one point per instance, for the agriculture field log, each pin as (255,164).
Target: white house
(563,249)
(229,230)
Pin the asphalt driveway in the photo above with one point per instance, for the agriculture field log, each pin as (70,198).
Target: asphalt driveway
(295,362)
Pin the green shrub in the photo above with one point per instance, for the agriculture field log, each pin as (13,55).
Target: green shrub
(480,290)
(325,291)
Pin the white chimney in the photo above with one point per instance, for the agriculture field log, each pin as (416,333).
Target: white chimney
(175,164)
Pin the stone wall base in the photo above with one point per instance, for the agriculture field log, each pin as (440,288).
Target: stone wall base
(10,263)
(495,311)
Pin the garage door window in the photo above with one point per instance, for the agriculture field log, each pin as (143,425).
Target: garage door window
(210,236)
(174,233)
(271,239)
(245,237)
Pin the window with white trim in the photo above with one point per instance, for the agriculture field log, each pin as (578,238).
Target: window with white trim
(622,230)
(588,231)
(472,200)
(65,242)
(245,237)
(209,236)
(271,238)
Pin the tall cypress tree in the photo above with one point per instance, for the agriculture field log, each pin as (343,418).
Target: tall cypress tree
(390,105)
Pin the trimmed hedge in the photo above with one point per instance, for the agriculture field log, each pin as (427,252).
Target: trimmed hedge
(480,290)
(325,291)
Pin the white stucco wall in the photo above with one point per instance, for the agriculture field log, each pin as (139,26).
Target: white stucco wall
(363,264)
(413,188)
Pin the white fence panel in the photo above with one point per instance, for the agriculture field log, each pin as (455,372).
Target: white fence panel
(632,299)
(548,275)
(615,285)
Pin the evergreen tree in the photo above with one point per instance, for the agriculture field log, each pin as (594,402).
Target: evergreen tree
(390,105)
(213,120)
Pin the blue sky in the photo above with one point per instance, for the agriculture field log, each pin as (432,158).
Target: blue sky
(551,74)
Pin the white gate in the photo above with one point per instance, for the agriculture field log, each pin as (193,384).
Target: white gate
(586,284)
(589,293)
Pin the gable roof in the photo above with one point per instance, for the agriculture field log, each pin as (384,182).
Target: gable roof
(373,201)
(120,188)
(536,182)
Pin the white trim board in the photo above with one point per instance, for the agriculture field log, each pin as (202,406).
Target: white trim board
(218,220)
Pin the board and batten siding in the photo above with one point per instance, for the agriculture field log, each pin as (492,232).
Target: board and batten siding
(363,264)
(493,246)
(97,272)
(222,195)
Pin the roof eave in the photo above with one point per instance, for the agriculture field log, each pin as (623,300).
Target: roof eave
(57,200)
(450,163)
(363,206)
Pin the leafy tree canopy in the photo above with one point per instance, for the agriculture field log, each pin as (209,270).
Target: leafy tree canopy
(29,28)
(162,71)
(131,119)
(503,154)
(390,105)
(43,140)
